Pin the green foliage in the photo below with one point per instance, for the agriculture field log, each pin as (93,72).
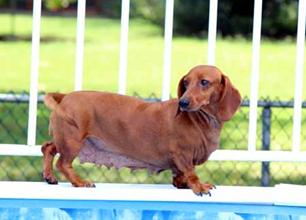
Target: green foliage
(235,17)
(109,8)
(152,10)
(55,5)
(3,2)
(280,18)
(191,17)
(52,5)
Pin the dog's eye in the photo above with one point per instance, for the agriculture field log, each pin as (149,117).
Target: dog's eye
(204,82)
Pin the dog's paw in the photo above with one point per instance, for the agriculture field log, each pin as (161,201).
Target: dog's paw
(203,189)
(89,185)
(203,193)
(50,179)
(86,184)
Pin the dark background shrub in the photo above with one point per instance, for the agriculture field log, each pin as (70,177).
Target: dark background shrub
(235,17)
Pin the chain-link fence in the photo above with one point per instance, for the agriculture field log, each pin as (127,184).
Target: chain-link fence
(273,133)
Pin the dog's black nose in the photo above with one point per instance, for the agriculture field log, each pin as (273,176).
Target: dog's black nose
(184,103)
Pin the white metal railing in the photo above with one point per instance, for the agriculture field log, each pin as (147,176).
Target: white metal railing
(31,149)
(212,31)
(125,8)
(167,50)
(34,73)
(79,55)
(300,42)
(255,75)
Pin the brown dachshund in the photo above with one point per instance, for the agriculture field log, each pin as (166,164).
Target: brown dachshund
(122,131)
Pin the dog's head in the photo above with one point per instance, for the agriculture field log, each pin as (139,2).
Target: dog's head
(206,85)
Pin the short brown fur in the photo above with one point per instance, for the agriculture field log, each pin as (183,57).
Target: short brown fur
(163,135)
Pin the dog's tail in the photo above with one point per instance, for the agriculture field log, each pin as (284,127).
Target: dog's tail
(52,101)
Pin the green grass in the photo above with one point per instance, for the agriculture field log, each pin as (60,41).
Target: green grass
(145,58)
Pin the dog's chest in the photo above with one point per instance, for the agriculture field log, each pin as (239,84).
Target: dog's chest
(207,141)
(98,152)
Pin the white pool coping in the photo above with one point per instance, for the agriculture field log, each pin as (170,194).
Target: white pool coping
(283,194)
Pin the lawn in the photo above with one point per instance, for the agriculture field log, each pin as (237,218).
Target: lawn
(145,58)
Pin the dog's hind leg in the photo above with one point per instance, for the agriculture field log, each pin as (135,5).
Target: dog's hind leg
(64,164)
(49,151)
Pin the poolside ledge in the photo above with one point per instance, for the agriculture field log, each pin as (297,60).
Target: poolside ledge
(282,198)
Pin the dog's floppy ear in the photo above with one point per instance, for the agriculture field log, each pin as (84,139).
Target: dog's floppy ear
(181,88)
(230,100)
(180,91)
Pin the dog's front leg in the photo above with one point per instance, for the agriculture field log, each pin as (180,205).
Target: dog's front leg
(188,176)
(179,181)
(194,183)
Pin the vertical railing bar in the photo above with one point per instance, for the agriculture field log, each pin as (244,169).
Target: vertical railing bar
(125,11)
(167,49)
(255,74)
(31,139)
(300,45)
(79,56)
(266,142)
(212,31)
